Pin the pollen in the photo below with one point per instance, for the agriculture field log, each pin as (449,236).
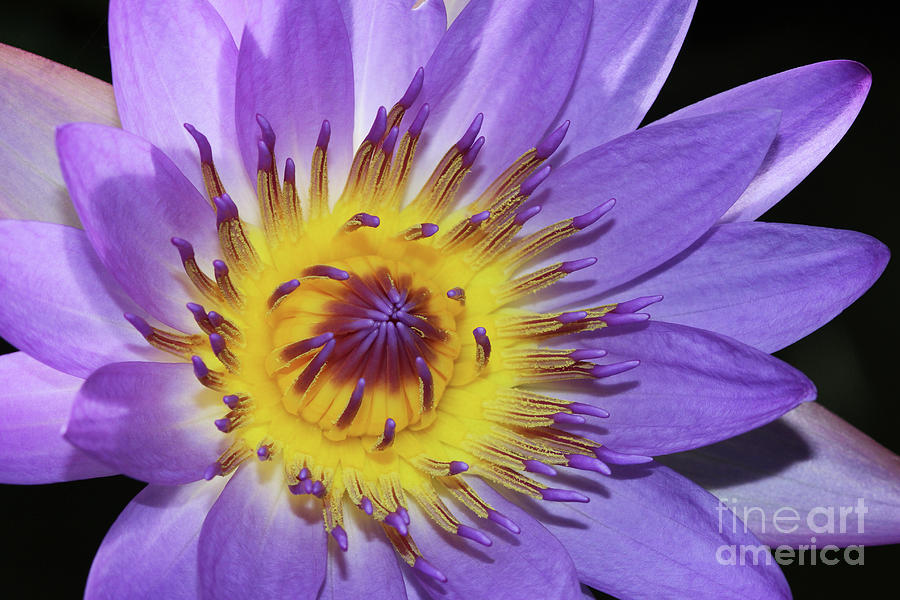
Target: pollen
(374,344)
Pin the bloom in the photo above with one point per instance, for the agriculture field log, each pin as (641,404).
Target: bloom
(675,210)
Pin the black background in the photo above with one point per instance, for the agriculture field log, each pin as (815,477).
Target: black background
(51,532)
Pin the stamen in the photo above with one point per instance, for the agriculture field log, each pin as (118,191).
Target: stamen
(311,372)
(325,271)
(532,282)
(587,409)
(263,453)
(201,280)
(473,534)
(568,419)
(231,401)
(226,286)
(412,92)
(588,463)
(232,238)
(550,143)
(366,505)
(458,294)
(340,536)
(360,166)
(614,368)
(503,521)
(225,356)
(426,384)
(291,199)
(536,466)
(402,164)
(632,306)
(618,458)
(387,438)
(557,495)
(204,375)
(200,317)
(361,220)
(418,232)
(282,291)
(211,179)
(482,347)
(426,568)
(318,184)
(457,467)
(174,343)
(353,405)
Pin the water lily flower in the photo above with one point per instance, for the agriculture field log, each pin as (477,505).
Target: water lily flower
(366,300)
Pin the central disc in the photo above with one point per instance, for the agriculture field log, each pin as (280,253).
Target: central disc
(350,354)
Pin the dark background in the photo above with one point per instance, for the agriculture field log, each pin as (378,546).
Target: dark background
(51,532)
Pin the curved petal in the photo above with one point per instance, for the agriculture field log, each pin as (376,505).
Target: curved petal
(38,95)
(808,475)
(389,40)
(692,388)
(35,402)
(151,549)
(61,306)
(295,69)
(630,50)
(512,61)
(259,541)
(818,102)
(234,13)
(671,183)
(369,567)
(765,284)
(120,185)
(174,62)
(647,532)
(454,7)
(530,564)
(152,421)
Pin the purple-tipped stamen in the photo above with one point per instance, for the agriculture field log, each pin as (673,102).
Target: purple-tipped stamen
(426,568)
(387,437)
(524,215)
(588,463)
(262,453)
(223,425)
(264,156)
(632,306)
(202,143)
(283,290)
(457,467)
(549,144)
(220,268)
(404,514)
(326,271)
(324,135)
(586,409)
(304,474)
(618,458)
(340,536)
(217,343)
(568,318)
(226,209)
(140,324)
(468,138)
(503,521)
(366,220)
(212,471)
(532,182)
(456,293)
(395,521)
(470,533)
(231,400)
(185,250)
(353,405)
(479,217)
(472,153)
(305,379)
(366,505)
(376,132)
(290,171)
(614,368)
(418,124)
(576,265)
(268,134)
(568,419)
(429,229)
(390,141)
(587,354)
(198,311)
(612,318)
(200,369)
(536,466)
(424,374)
(215,318)
(557,495)
(318,489)
(481,338)
(591,217)
(412,91)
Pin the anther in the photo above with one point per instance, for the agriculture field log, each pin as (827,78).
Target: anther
(200,317)
(340,536)
(231,400)
(232,238)
(587,463)
(418,232)
(503,521)
(282,291)
(200,280)
(361,220)
(534,180)
(412,92)
(268,134)
(387,146)
(204,375)
(483,347)
(223,425)
(353,405)
(632,306)
(226,209)
(614,368)
(557,495)
(426,383)
(549,144)
(426,568)
(591,217)
(263,453)
(324,135)
(387,437)
(226,286)
(618,458)
(264,160)
(470,533)
(536,466)
(457,467)
(379,126)
(318,183)
(468,138)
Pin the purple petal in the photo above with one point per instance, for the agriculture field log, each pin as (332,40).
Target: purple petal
(650,533)
(151,550)
(629,52)
(671,183)
(174,62)
(794,478)
(152,421)
(692,388)
(37,96)
(517,75)
(260,541)
(819,102)
(61,306)
(765,284)
(132,201)
(234,13)
(295,69)
(389,40)
(368,569)
(35,402)
(515,566)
